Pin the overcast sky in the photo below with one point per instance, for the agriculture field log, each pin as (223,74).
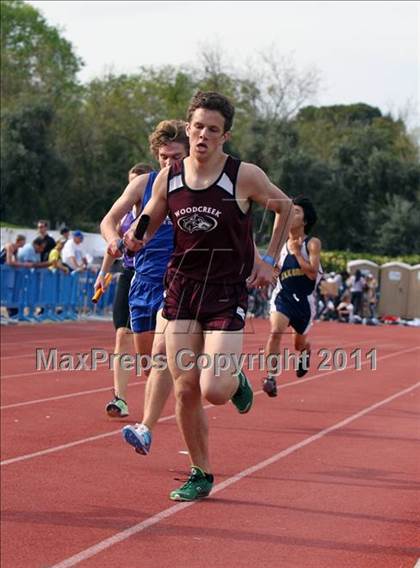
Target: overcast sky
(365,51)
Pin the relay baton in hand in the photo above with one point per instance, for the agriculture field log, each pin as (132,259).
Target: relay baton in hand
(100,291)
(139,231)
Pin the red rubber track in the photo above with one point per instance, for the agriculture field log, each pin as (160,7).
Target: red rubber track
(325,475)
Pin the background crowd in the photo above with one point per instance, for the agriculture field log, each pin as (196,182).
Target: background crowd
(339,296)
(66,254)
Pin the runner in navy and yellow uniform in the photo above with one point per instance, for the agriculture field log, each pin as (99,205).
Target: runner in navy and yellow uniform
(208,197)
(293,301)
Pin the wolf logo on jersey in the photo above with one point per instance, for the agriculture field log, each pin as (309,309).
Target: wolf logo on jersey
(197,222)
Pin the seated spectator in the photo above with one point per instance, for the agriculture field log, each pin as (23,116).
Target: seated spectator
(54,257)
(73,253)
(8,254)
(65,234)
(49,241)
(327,293)
(345,309)
(31,253)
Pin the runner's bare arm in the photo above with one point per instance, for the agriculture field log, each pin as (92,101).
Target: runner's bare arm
(132,195)
(311,267)
(254,185)
(262,273)
(156,208)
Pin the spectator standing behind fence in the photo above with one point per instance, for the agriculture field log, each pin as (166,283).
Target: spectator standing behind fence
(49,241)
(31,253)
(73,253)
(357,286)
(54,258)
(8,254)
(371,297)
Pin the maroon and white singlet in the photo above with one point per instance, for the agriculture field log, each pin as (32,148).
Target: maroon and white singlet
(213,237)
(214,251)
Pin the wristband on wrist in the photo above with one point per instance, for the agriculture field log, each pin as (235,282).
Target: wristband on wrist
(102,273)
(269,260)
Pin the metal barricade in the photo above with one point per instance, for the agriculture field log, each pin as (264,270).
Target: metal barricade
(37,295)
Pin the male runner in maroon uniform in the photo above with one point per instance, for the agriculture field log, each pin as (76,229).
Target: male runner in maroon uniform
(208,197)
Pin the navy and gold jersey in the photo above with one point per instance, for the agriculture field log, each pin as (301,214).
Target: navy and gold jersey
(294,294)
(292,278)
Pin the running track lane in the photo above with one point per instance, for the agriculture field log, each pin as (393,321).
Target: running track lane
(253,538)
(319,406)
(56,426)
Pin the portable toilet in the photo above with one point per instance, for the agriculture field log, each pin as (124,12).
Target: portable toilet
(413,300)
(395,278)
(364,266)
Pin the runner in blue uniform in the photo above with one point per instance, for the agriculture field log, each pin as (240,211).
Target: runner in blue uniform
(168,143)
(120,312)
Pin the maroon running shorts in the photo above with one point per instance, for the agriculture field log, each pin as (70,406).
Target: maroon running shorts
(214,306)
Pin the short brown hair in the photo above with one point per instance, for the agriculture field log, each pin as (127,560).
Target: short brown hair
(140,168)
(168,131)
(211,100)
(20,238)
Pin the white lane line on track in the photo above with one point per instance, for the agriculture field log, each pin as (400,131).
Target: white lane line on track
(155,519)
(58,344)
(77,443)
(31,373)
(33,353)
(87,332)
(5,358)
(81,393)
(165,418)
(62,396)
(52,371)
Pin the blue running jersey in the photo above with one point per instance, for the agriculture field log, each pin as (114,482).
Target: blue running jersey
(151,261)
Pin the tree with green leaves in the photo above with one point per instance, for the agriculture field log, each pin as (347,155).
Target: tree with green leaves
(36,61)
(33,175)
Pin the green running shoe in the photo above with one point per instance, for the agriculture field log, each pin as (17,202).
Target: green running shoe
(244,396)
(198,485)
(117,408)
